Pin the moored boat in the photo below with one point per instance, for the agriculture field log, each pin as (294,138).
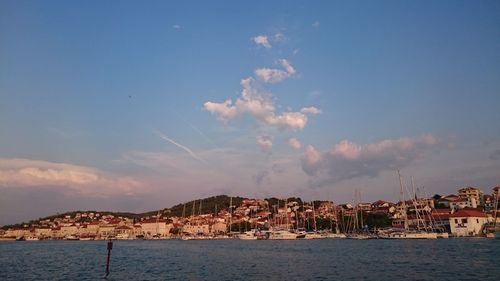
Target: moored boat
(281,235)
(248,235)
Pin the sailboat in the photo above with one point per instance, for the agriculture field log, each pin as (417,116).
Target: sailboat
(336,234)
(279,233)
(356,232)
(406,232)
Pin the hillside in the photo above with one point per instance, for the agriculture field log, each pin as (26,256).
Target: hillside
(208,205)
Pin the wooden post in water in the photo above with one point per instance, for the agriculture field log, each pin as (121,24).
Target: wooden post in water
(110,247)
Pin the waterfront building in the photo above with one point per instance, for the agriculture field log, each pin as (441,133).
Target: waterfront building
(158,227)
(93,227)
(220,226)
(67,230)
(43,231)
(106,231)
(56,233)
(467,222)
(16,232)
(124,232)
(196,229)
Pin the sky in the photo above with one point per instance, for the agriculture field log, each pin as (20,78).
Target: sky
(140,105)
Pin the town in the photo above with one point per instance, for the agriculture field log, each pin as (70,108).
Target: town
(469,213)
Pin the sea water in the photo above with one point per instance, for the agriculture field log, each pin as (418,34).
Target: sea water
(442,259)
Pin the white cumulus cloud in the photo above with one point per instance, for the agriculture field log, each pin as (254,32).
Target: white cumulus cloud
(294,143)
(347,159)
(258,105)
(262,40)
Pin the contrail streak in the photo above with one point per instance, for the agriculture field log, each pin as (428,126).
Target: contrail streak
(161,135)
(200,133)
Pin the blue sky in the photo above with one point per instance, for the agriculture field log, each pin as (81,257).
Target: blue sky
(122,104)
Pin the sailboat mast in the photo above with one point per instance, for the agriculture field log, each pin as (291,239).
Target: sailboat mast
(403,203)
(230,213)
(314,217)
(192,212)
(415,203)
(286,214)
(360,210)
(496,208)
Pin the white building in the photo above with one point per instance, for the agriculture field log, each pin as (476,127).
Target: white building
(43,231)
(159,227)
(467,222)
(473,195)
(220,226)
(195,229)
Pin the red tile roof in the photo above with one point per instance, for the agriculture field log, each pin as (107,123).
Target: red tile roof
(468,213)
(153,220)
(441,216)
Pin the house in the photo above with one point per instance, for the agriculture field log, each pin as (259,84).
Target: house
(381,204)
(384,210)
(467,222)
(365,207)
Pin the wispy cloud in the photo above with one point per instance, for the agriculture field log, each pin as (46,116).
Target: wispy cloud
(66,133)
(311,110)
(316,24)
(185,148)
(176,26)
(271,75)
(265,143)
(279,37)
